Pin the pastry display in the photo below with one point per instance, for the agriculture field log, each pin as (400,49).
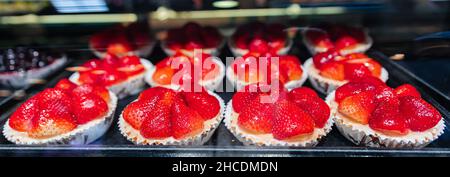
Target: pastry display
(164,116)
(369,113)
(65,114)
(264,116)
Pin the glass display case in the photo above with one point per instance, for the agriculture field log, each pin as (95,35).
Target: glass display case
(43,42)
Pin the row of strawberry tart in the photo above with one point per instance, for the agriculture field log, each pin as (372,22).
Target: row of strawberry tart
(366,112)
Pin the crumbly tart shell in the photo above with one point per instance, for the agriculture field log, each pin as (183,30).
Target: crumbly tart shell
(361,47)
(211,51)
(239,84)
(363,135)
(248,139)
(21,79)
(133,85)
(142,51)
(326,85)
(83,134)
(238,52)
(211,84)
(210,126)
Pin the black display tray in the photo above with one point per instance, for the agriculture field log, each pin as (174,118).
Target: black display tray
(223,143)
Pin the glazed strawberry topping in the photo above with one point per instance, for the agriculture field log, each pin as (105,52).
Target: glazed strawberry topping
(389,111)
(201,66)
(121,40)
(59,110)
(248,68)
(260,38)
(354,66)
(335,37)
(160,112)
(110,70)
(193,36)
(287,115)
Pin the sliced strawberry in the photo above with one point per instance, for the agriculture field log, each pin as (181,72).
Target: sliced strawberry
(317,109)
(333,70)
(358,107)
(345,42)
(406,90)
(50,123)
(290,122)
(256,119)
(373,66)
(89,77)
(384,94)
(324,57)
(21,119)
(88,107)
(111,77)
(119,47)
(135,113)
(290,65)
(157,122)
(259,46)
(356,71)
(93,64)
(65,84)
(375,81)
(352,88)
(163,75)
(185,121)
(419,114)
(242,99)
(89,88)
(302,93)
(387,119)
(55,99)
(202,102)
(110,60)
(356,56)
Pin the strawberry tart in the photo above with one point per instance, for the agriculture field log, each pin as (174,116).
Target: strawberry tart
(123,76)
(329,70)
(247,70)
(209,70)
(260,37)
(369,113)
(297,118)
(65,114)
(345,39)
(134,39)
(163,116)
(193,36)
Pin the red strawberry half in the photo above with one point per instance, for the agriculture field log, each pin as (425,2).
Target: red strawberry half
(21,119)
(202,102)
(358,107)
(88,107)
(419,114)
(406,90)
(387,119)
(257,118)
(185,121)
(290,122)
